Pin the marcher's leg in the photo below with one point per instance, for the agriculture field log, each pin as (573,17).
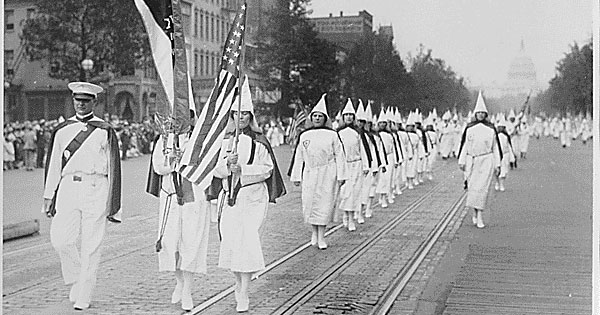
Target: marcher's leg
(359,215)
(64,232)
(315,237)
(368,211)
(93,226)
(321,236)
(480,223)
(243,304)
(474,218)
(176,296)
(186,291)
(501,183)
(351,225)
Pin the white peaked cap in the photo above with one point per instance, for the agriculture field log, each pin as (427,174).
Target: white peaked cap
(349,108)
(418,118)
(470,115)
(455,117)
(511,114)
(398,117)
(389,114)
(429,120)
(338,116)
(321,107)
(247,105)
(447,115)
(369,112)
(524,118)
(434,113)
(382,116)
(411,119)
(501,120)
(480,105)
(360,111)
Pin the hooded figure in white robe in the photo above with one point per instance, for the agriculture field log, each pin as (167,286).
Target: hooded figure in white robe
(508,154)
(357,165)
(183,224)
(479,154)
(319,164)
(246,179)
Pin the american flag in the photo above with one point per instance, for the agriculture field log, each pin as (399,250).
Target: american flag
(202,150)
(297,124)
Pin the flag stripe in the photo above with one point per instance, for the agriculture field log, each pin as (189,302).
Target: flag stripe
(202,150)
(160,44)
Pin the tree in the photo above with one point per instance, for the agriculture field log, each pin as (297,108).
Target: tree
(571,88)
(375,71)
(294,60)
(437,85)
(65,32)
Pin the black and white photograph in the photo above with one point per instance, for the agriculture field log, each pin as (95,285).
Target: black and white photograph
(402,157)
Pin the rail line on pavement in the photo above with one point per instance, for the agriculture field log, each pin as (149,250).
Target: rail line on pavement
(322,281)
(399,282)
(224,293)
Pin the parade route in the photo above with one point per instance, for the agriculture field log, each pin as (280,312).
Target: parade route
(534,253)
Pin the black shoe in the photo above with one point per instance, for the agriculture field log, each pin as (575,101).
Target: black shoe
(466,185)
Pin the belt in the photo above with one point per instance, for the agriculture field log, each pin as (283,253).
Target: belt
(478,155)
(80,177)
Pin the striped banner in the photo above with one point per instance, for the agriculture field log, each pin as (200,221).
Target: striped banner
(163,22)
(297,124)
(202,150)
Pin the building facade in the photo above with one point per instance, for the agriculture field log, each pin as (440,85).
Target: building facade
(30,93)
(344,31)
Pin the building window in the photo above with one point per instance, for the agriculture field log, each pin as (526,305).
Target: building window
(9,20)
(30,13)
(196,23)
(201,66)
(201,24)
(196,64)
(9,56)
(207,26)
(218,28)
(212,28)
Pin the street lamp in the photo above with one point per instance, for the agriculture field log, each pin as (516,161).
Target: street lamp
(87,65)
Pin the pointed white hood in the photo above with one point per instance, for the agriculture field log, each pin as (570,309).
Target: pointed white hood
(360,111)
(321,107)
(480,105)
(369,112)
(349,108)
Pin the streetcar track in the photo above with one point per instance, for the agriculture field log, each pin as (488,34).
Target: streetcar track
(317,285)
(224,293)
(396,286)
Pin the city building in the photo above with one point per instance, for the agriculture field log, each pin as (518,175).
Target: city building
(344,31)
(31,94)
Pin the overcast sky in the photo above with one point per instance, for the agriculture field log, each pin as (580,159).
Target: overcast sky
(478,38)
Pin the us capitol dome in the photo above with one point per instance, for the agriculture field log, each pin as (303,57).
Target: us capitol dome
(521,77)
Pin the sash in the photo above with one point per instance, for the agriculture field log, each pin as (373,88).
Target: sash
(72,147)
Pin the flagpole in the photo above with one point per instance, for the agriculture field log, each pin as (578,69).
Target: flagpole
(239,108)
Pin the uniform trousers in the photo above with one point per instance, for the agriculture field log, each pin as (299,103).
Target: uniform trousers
(80,212)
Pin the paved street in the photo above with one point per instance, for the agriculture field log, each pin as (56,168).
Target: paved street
(545,212)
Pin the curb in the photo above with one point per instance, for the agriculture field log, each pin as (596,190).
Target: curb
(12,231)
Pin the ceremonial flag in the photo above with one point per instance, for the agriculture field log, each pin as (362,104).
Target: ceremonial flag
(298,123)
(202,150)
(163,22)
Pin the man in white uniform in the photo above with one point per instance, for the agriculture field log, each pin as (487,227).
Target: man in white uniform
(82,190)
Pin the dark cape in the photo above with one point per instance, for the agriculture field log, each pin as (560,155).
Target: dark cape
(486,123)
(183,187)
(113,203)
(275,185)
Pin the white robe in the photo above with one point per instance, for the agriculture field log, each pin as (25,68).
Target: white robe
(507,155)
(319,163)
(240,225)
(447,140)
(432,142)
(480,154)
(187,227)
(369,180)
(357,163)
(384,185)
(415,153)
